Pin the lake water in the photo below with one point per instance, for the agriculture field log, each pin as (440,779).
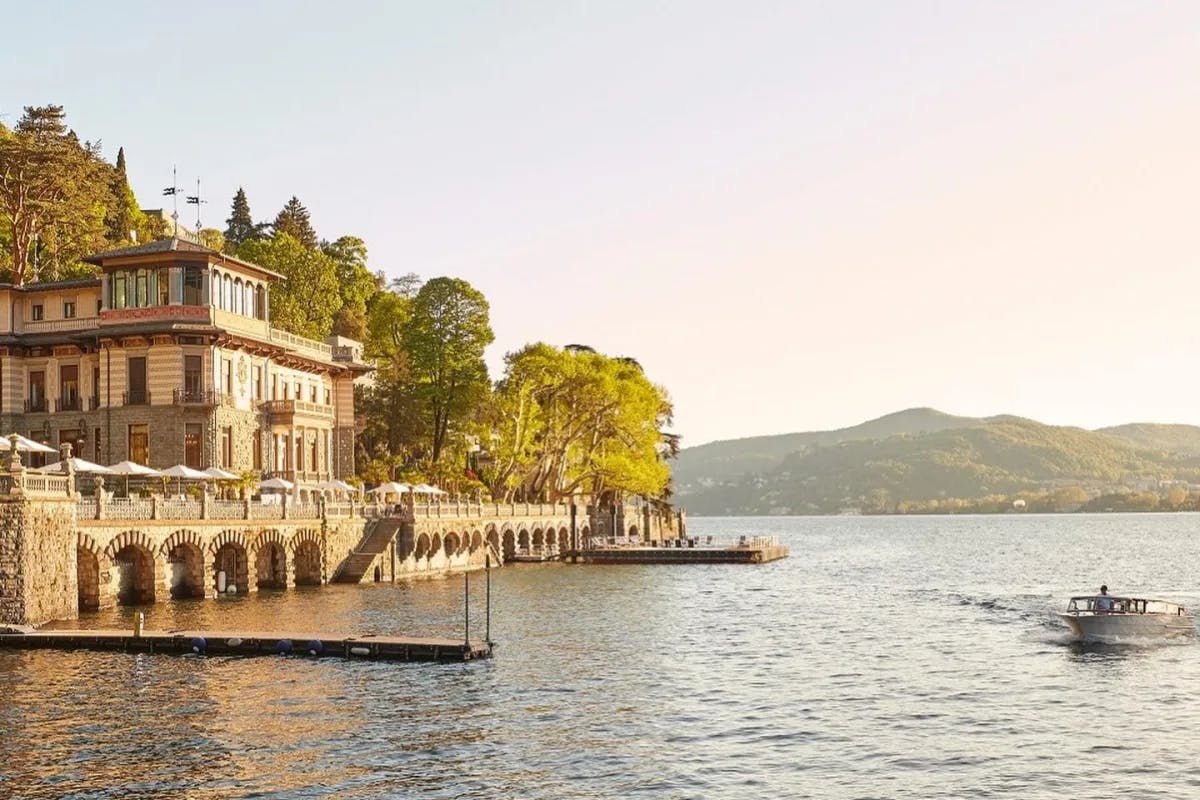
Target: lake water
(888,657)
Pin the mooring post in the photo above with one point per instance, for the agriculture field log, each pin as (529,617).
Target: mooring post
(467,606)
(487,571)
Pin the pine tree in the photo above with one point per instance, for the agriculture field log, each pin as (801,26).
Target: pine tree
(123,217)
(241,227)
(293,220)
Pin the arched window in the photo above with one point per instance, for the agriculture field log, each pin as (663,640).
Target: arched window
(216,290)
(239,297)
(260,302)
(227,293)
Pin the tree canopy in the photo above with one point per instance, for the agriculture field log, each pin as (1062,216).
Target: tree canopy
(293,220)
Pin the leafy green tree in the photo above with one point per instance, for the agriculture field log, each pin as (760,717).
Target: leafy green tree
(53,195)
(241,227)
(293,220)
(445,340)
(306,301)
(357,285)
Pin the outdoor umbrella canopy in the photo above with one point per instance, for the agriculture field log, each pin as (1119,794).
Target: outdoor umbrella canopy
(424,488)
(26,445)
(222,475)
(181,471)
(337,486)
(392,488)
(132,468)
(276,483)
(78,464)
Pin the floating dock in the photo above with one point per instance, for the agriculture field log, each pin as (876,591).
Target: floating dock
(240,643)
(687,551)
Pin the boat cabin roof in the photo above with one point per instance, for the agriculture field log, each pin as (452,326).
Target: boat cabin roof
(1142,605)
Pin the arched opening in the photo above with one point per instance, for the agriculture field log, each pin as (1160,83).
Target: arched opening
(227,293)
(87,567)
(186,563)
(231,560)
(135,573)
(523,541)
(510,545)
(451,544)
(270,566)
(476,541)
(239,297)
(422,548)
(306,564)
(633,532)
(215,291)
(260,302)
(539,540)
(493,538)
(564,540)
(585,536)
(435,544)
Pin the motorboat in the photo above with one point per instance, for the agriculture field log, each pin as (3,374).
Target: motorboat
(1107,618)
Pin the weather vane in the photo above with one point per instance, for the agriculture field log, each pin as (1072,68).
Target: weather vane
(173,191)
(194,200)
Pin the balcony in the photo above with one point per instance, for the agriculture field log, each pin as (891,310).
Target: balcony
(280,410)
(197,397)
(35,404)
(59,325)
(69,403)
(135,398)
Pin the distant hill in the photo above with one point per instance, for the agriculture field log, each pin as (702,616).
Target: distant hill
(923,454)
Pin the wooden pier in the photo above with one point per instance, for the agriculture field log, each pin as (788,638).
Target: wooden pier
(687,551)
(241,643)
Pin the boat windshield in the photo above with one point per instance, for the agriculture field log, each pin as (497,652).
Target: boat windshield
(1107,604)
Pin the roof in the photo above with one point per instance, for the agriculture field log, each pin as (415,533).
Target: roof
(46,286)
(174,245)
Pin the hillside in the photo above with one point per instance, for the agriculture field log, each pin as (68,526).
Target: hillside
(966,458)
(733,458)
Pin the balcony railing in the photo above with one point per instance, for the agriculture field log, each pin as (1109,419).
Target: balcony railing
(56,325)
(35,404)
(70,403)
(301,343)
(199,397)
(296,407)
(137,398)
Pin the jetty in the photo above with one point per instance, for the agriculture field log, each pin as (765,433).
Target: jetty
(242,643)
(747,550)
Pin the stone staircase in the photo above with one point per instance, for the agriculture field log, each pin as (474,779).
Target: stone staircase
(375,540)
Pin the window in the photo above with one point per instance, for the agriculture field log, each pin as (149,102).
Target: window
(239,297)
(163,279)
(95,387)
(68,309)
(258,389)
(193,286)
(118,290)
(258,459)
(139,443)
(136,395)
(142,298)
(227,293)
(328,397)
(299,453)
(68,388)
(193,451)
(99,305)
(274,387)
(312,394)
(296,394)
(227,447)
(37,391)
(193,378)
(96,446)
(227,370)
(312,464)
(260,302)
(37,312)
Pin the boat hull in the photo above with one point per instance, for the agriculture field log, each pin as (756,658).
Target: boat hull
(1123,627)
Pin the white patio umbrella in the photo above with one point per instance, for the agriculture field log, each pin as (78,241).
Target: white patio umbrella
(180,472)
(425,488)
(221,474)
(391,487)
(337,486)
(133,468)
(78,465)
(276,483)
(25,445)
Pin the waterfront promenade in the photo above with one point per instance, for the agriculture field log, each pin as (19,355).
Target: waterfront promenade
(61,553)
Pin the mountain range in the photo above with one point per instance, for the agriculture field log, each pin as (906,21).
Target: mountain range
(922,455)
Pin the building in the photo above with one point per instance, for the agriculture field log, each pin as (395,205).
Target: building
(169,357)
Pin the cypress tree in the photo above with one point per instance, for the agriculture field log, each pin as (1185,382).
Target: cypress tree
(122,218)
(293,220)
(240,225)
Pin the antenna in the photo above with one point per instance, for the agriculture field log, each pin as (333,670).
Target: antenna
(194,200)
(173,191)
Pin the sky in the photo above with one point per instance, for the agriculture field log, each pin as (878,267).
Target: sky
(796,216)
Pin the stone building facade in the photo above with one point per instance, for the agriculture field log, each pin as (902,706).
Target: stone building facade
(169,357)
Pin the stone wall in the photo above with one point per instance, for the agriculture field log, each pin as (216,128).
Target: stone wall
(37,560)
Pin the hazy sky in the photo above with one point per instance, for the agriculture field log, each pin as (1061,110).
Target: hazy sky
(795,215)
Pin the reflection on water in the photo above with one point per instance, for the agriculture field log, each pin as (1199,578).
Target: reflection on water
(886,658)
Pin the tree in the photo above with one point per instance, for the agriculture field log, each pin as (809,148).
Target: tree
(240,227)
(52,194)
(356,285)
(124,218)
(445,340)
(293,220)
(306,301)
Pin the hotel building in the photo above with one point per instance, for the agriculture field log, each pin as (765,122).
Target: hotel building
(169,357)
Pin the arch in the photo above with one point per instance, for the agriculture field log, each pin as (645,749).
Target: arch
(539,540)
(476,541)
(227,292)
(185,563)
(302,536)
(260,301)
(451,544)
(306,563)
(239,297)
(493,537)
(633,532)
(270,565)
(510,544)
(564,539)
(422,548)
(585,535)
(523,540)
(435,543)
(134,563)
(87,570)
(228,550)
(215,291)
